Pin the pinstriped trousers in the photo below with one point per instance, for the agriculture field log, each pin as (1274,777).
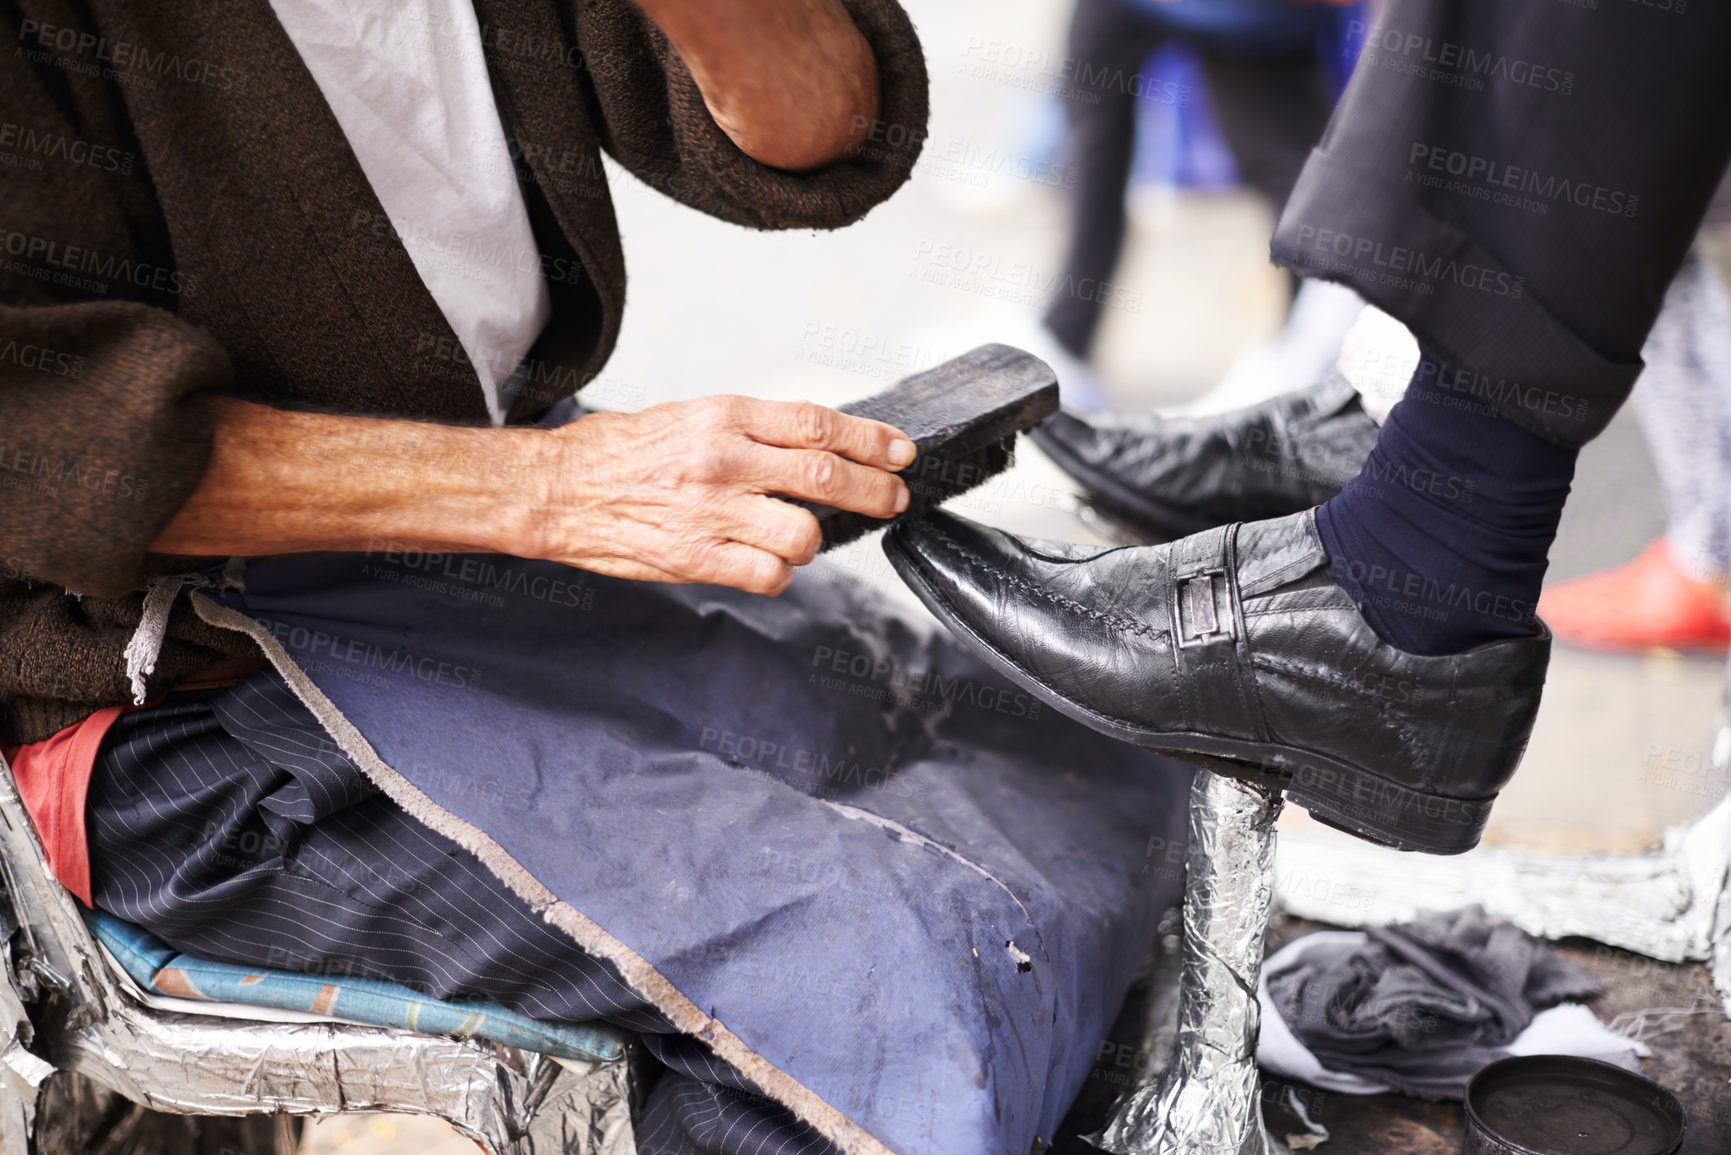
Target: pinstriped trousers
(228,824)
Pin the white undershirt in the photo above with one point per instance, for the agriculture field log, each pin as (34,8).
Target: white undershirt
(408,84)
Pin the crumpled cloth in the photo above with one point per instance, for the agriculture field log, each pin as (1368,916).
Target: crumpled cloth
(1419,1007)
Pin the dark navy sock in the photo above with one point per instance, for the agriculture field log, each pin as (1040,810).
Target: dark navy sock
(1444,536)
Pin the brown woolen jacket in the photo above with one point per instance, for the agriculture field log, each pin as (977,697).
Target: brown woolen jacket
(180,214)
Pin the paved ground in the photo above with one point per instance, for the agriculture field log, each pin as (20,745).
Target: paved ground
(714,308)
(384,1135)
(1690,1042)
(1673,1009)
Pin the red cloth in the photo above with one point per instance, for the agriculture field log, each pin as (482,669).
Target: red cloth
(53,778)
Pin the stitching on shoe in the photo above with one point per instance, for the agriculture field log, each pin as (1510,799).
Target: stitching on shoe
(1057,599)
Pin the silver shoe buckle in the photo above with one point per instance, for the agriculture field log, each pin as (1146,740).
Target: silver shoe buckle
(1202,610)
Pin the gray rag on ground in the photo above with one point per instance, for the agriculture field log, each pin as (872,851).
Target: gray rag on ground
(1423,1005)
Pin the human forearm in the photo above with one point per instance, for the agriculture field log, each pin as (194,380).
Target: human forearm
(682,492)
(792,82)
(285,482)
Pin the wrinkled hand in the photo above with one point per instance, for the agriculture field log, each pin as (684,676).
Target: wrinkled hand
(681,492)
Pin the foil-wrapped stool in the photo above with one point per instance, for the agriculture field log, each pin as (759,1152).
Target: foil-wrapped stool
(66,1008)
(1208,1099)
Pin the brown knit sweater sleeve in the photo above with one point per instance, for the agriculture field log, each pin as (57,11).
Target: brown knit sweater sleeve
(101,436)
(654,122)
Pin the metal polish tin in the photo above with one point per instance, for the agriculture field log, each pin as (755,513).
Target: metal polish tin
(1562,1105)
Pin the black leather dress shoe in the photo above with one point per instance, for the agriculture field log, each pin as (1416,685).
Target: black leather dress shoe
(1235,649)
(1165,477)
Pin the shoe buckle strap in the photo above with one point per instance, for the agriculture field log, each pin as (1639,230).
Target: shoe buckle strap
(1202,611)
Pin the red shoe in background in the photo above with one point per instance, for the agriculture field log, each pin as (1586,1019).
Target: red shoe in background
(1640,605)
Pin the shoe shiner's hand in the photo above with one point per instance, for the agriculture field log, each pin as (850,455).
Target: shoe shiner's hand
(675,493)
(681,492)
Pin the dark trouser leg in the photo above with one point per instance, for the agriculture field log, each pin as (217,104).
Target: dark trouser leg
(1272,112)
(1108,44)
(1519,183)
(230,826)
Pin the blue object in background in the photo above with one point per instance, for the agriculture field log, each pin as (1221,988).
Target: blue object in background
(1249,27)
(1178,139)
(1338,46)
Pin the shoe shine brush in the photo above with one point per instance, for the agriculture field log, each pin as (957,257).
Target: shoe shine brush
(963,416)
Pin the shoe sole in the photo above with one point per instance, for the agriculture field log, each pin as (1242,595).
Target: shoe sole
(1349,798)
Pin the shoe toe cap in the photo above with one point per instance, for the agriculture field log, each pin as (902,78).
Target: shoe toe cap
(947,552)
(1067,435)
(1028,603)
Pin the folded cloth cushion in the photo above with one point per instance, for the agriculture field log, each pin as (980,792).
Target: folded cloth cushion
(1419,1007)
(887,888)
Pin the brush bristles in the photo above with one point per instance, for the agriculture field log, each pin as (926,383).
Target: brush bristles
(932,480)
